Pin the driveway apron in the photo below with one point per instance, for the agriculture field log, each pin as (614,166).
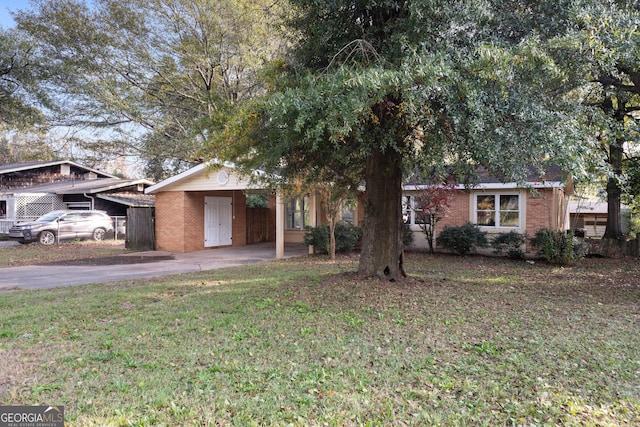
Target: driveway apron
(143,265)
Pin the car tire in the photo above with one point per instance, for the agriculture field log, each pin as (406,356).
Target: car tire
(98,234)
(47,238)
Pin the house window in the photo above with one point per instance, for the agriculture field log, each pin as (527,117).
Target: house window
(348,211)
(406,209)
(298,213)
(3,208)
(497,210)
(412,213)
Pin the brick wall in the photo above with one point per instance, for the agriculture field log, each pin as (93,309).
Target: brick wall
(194,221)
(239,231)
(459,211)
(546,209)
(170,221)
(180,219)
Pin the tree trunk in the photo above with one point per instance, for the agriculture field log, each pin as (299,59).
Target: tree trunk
(332,238)
(614,225)
(432,232)
(381,254)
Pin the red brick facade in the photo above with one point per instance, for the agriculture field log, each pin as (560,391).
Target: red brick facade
(459,212)
(180,215)
(180,219)
(544,208)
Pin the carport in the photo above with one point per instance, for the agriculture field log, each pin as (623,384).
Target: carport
(206,207)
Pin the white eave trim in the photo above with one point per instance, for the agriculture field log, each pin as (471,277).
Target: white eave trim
(115,186)
(176,178)
(493,186)
(123,201)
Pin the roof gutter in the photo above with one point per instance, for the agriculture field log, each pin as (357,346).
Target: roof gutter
(492,186)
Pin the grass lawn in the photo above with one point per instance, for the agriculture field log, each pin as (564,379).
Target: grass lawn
(474,341)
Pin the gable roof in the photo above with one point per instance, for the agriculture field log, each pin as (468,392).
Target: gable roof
(553,178)
(89,186)
(194,171)
(201,173)
(25,166)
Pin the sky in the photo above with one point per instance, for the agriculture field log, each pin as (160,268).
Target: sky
(6,21)
(10,5)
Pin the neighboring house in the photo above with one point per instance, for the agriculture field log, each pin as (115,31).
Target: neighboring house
(205,207)
(590,217)
(23,175)
(29,190)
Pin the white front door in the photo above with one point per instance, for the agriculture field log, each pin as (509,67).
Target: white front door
(218,218)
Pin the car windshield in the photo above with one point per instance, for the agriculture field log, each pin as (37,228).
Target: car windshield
(51,216)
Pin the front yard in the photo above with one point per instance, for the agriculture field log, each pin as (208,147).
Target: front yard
(34,253)
(468,341)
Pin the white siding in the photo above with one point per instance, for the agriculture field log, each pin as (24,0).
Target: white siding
(208,181)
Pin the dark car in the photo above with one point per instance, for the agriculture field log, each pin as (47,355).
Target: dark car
(63,225)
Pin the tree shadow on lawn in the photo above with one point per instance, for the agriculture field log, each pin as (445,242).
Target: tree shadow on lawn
(607,280)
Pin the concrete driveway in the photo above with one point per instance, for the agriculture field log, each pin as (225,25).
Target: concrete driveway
(139,265)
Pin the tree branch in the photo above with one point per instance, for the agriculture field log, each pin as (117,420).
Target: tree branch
(617,83)
(634,76)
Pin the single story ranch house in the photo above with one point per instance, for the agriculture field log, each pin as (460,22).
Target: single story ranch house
(206,207)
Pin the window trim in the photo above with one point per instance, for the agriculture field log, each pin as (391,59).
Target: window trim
(349,211)
(411,210)
(407,209)
(498,195)
(304,212)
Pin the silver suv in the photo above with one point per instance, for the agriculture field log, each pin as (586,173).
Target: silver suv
(63,225)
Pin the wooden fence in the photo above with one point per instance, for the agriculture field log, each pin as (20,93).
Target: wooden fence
(140,233)
(614,248)
(260,225)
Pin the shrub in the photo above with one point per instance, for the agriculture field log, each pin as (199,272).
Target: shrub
(509,243)
(558,247)
(407,236)
(462,239)
(347,235)
(633,220)
(257,201)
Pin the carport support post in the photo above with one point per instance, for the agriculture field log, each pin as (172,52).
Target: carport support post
(280,213)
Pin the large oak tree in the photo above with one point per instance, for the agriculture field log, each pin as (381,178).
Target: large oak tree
(386,87)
